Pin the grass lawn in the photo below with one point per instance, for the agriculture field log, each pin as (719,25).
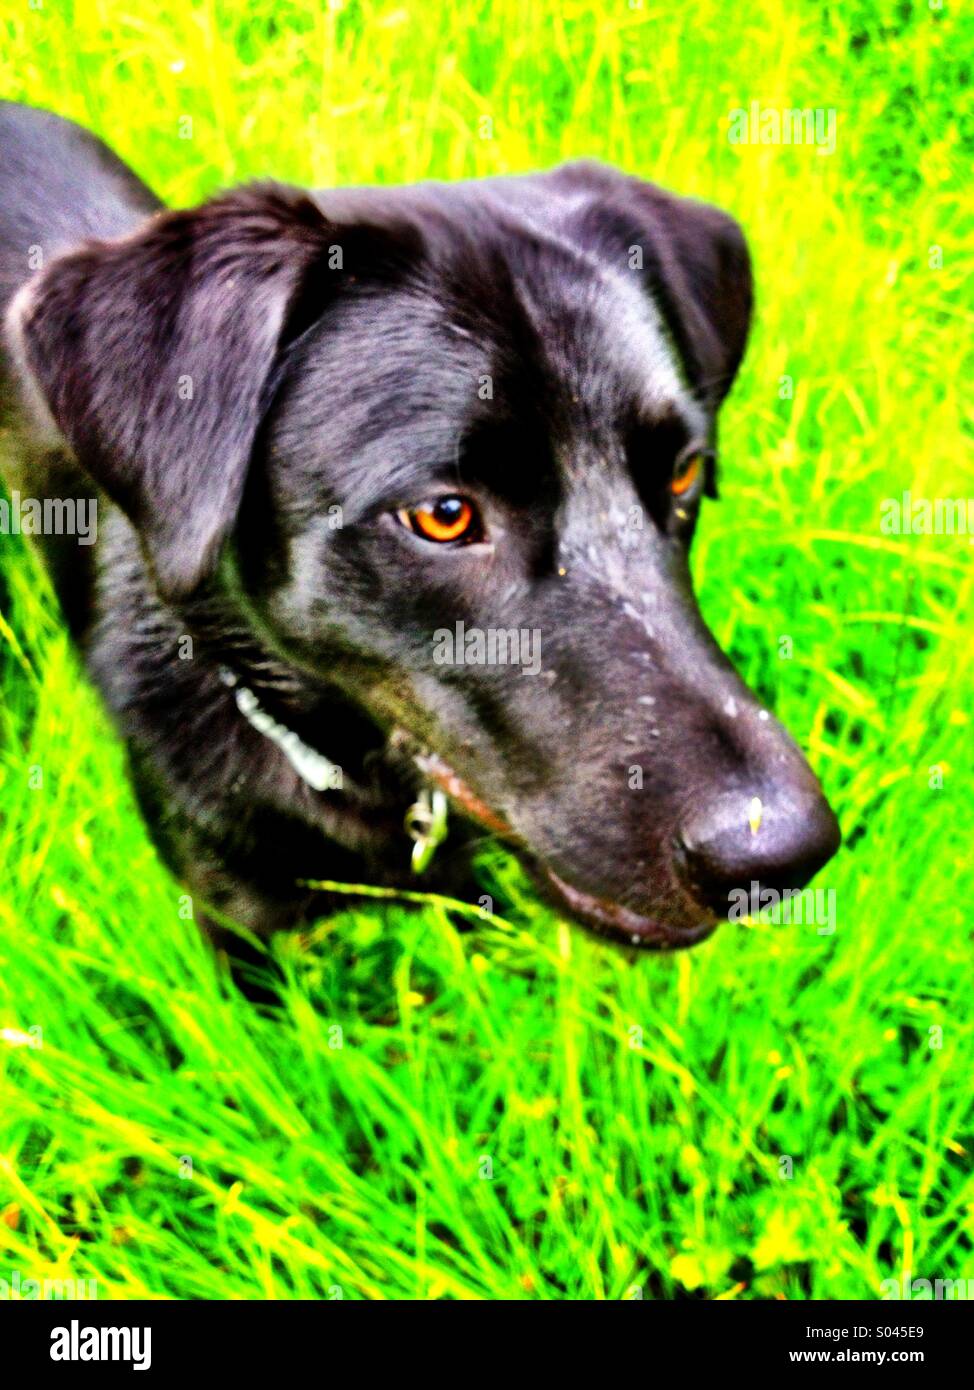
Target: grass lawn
(520,1111)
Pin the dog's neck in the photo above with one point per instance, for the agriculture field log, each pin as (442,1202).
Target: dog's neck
(425,822)
(317,771)
(317,728)
(288,708)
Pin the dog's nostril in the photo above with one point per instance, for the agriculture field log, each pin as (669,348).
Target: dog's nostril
(741,840)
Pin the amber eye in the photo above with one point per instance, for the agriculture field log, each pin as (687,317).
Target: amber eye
(449,518)
(686,472)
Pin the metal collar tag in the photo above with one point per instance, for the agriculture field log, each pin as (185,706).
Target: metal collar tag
(426,827)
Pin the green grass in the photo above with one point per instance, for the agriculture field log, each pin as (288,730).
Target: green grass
(633,1113)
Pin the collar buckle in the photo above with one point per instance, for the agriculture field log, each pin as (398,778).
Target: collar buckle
(426,826)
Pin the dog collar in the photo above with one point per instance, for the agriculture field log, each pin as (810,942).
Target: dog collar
(426,820)
(310,765)
(426,826)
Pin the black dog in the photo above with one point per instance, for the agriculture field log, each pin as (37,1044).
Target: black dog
(329,429)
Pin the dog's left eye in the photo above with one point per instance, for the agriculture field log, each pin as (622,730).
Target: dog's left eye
(444,519)
(687,473)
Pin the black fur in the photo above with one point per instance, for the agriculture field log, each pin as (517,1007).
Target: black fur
(227,376)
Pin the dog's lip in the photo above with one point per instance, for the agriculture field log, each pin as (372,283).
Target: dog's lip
(440,772)
(621,923)
(601,915)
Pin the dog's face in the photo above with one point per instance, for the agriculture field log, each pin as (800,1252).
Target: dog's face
(491,405)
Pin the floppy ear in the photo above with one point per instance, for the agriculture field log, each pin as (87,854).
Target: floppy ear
(693,257)
(158,355)
(704,287)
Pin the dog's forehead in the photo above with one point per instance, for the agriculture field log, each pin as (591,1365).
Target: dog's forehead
(578,314)
(519,277)
(511,319)
(600,335)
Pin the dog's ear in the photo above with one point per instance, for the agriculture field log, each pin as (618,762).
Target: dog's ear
(157,355)
(705,288)
(694,259)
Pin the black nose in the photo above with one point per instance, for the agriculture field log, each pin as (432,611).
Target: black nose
(741,839)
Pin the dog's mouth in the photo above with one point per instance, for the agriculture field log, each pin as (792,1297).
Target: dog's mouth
(442,775)
(603,916)
(622,924)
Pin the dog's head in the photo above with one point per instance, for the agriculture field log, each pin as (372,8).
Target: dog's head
(448,445)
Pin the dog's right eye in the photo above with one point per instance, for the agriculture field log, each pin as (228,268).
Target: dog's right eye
(450,519)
